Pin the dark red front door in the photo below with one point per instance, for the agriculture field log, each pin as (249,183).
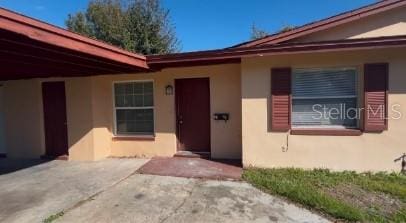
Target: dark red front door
(193,114)
(56,134)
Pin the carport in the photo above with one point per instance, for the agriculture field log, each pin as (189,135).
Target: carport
(33,49)
(30,48)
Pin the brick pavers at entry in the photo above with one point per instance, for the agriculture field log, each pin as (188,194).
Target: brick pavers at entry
(192,168)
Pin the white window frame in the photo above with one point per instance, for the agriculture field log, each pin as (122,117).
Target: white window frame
(356,96)
(146,107)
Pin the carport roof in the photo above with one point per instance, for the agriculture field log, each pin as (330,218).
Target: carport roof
(31,48)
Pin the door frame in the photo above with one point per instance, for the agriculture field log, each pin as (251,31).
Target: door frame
(44,120)
(177,121)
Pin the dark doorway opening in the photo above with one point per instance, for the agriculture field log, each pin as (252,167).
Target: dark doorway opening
(56,132)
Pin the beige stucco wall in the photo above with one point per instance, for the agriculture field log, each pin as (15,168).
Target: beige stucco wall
(90,115)
(24,123)
(389,23)
(23,118)
(79,111)
(225,93)
(370,151)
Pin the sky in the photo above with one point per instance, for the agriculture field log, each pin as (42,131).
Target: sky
(207,24)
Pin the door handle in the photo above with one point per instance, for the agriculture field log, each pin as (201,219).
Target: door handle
(179,127)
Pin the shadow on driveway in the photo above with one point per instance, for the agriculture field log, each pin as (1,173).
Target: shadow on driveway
(11,165)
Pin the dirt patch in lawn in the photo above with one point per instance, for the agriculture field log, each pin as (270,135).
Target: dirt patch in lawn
(369,201)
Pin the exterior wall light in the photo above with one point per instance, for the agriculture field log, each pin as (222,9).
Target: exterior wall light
(169,90)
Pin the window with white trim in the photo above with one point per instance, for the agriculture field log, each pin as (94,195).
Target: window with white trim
(324,98)
(134,108)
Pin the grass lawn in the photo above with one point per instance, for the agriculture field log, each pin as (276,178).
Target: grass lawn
(345,196)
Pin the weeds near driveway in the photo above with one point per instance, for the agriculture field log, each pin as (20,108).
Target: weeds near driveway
(346,196)
(52,218)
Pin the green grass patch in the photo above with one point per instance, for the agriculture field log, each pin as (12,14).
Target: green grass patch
(53,217)
(348,196)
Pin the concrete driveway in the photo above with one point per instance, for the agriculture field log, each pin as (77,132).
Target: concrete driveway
(42,189)
(109,191)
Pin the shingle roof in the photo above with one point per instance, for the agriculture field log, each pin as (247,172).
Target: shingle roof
(327,23)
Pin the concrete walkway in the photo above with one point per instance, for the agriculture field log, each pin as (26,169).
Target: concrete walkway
(42,189)
(111,191)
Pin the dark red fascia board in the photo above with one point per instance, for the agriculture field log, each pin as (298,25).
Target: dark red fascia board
(183,59)
(330,22)
(154,66)
(44,32)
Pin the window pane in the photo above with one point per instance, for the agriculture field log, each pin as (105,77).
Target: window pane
(324,112)
(148,100)
(324,83)
(119,100)
(139,121)
(121,127)
(129,89)
(138,101)
(119,89)
(324,97)
(148,88)
(131,116)
(128,101)
(138,88)
(135,94)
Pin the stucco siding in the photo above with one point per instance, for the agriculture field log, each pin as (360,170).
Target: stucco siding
(370,151)
(101,103)
(225,96)
(23,119)
(162,145)
(80,118)
(90,115)
(390,23)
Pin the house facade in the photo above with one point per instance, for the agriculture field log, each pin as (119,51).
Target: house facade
(330,94)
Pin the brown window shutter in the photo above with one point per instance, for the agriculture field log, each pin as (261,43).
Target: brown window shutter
(376,98)
(280,99)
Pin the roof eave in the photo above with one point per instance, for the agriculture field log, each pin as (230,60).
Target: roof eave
(43,32)
(326,23)
(232,55)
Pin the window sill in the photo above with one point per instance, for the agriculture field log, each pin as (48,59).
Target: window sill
(134,138)
(327,132)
